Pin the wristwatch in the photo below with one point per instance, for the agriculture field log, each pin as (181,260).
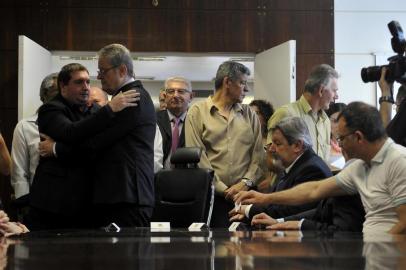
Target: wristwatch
(249,183)
(386,99)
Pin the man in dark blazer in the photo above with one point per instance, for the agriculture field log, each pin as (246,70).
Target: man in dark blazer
(60,193)
(292,149)
(123,186)
(178,95)
(342,213)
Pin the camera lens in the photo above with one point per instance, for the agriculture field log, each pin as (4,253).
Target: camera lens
(371,74)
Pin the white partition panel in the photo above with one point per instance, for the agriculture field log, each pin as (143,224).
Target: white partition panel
(275,74)
(34,63)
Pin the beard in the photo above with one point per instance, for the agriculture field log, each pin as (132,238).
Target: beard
(275,164)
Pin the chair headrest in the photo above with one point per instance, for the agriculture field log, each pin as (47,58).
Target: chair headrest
(186,155)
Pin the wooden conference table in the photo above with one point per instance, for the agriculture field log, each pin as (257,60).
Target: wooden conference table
(139,248)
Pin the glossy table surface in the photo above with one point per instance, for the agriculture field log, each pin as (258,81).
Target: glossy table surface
(208,249)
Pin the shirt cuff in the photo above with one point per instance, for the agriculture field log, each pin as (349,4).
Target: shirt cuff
(280,220)
(247,210)
(54,149)
(300,223)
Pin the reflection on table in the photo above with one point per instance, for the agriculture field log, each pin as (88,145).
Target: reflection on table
(207,249)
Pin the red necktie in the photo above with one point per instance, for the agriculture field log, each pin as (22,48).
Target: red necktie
(175,134)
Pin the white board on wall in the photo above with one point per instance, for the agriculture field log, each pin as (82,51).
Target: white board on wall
(34,63)
(275,74)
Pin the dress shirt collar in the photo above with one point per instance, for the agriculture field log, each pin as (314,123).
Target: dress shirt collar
(308,109)
(172,116)
(380,156)
(287,170)
(237,107)
(130,80)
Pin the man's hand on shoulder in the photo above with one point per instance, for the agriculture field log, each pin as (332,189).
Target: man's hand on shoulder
(122,100)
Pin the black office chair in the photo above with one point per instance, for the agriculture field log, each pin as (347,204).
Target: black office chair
(184,194)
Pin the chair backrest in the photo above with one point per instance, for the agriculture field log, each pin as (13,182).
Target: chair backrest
(184,194)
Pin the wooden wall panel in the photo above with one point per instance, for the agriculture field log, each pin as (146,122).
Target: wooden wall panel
(162,4)
(304,64)
(299,4)
(312,30)
(153,30)
(8,80)
(8,21)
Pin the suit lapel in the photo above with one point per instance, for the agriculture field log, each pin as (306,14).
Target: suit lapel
(165,124)
(293,171)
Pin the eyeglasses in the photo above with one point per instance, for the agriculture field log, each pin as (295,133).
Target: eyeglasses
(171,91)
(340,139)
(102,72)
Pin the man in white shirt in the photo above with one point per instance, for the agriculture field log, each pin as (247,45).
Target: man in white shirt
(378,174)
(24,151)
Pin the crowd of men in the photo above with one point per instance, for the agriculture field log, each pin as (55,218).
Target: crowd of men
(84,162)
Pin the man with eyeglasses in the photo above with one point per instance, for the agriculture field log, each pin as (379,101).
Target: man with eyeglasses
(292,152)
(123,190)
(178,95)
(319,91)
(229,134)
(378,173)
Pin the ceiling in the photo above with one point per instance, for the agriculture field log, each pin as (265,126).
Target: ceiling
(159,66)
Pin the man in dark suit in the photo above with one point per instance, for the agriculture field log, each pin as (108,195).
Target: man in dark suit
(178,95)
(292,149)
(123,187)
(343,213)
(60,194)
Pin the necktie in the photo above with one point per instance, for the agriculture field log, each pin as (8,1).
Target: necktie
(175,134)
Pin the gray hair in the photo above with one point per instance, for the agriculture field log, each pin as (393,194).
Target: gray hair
(117,55)
(320,75)
(179,79)
(294,129)
(230,69)
(49,87)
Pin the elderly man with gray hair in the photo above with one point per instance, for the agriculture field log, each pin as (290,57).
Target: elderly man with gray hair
(292,150)
(178,95)
(319,91)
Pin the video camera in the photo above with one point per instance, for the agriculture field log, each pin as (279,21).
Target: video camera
(396,69)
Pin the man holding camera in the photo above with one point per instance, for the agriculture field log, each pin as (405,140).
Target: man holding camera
(395,127)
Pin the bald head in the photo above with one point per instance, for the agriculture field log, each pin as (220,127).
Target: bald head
(98,96)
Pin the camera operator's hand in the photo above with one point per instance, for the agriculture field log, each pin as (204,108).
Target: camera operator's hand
(386,88)
(385,108)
